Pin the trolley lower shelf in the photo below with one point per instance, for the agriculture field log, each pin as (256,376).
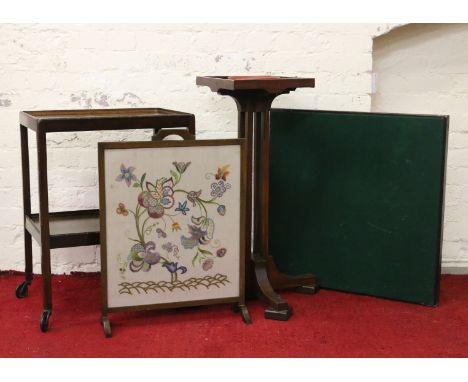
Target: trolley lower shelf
(68,228)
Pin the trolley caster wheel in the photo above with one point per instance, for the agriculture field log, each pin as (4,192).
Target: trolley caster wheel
(22,289)
(45,320)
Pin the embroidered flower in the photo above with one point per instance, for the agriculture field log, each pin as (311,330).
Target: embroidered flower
(221,252)
(161,233)
(173,268)
(222,172)
(158,197)
(167,247)
(181,166)
(143,257)
(192,196)
(121,210)
(183,208)
(207,264)
(221,209)
(218,189)
(126,174)
(197,235)
(171,248)
(175,227)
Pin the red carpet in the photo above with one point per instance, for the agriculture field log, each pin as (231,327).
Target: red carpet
(329,324)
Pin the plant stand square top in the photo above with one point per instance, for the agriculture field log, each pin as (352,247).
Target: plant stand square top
(270,84)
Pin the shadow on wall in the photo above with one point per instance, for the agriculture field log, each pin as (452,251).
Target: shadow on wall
(423,68)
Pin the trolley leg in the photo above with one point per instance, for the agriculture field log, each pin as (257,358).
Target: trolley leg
(22,289)
(45,231)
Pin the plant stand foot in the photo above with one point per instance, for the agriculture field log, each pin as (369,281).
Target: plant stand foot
(22,289)
(106,326)
(45,320)
(279,315)
(307,289)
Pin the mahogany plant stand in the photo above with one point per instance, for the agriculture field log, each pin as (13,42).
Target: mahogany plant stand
(254,96)
(75,228)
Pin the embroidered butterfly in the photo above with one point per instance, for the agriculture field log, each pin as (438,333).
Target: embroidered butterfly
(183,208)
(222,172)
(121,210)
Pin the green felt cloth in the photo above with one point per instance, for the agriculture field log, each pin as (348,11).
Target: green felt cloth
(357,199)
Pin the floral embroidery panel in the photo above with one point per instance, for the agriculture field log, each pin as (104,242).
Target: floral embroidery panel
(172,224)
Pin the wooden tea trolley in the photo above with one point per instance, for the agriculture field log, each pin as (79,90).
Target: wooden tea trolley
(75,228)
(254,96)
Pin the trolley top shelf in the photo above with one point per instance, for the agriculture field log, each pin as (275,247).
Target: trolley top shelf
(52,121)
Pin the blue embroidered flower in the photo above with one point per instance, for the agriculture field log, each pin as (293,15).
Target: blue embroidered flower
(126,174)
(183,208)
(221,209)
(173,268)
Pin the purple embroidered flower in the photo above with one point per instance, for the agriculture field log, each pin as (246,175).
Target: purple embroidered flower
(207,264)
(218,189)
(197,235)
(221,252)
(143,257)
(173,267)
(192,196)
(196,232)
(126,174)
(167,247)
(221,209)
(171,248)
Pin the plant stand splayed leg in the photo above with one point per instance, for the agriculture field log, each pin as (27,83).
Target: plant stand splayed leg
(254,96)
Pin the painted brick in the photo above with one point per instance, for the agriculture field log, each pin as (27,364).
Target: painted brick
(98,66)
(424,69)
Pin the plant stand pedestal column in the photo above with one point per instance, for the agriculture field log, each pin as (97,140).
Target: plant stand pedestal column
(254,96)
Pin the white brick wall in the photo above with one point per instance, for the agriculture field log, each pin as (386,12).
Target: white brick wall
(95,66)
(424,69)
